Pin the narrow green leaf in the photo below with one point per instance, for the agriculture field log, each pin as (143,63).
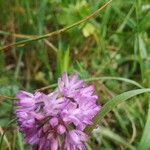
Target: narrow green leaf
(145,140)
(116,78)
(142,48)
(18,64)
(95,79)
(127,19)
(66,60)
(20,140)
(112,103)
(114,137)
(2,136)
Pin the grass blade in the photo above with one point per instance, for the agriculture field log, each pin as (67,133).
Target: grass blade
(100,78)
(2,137)
(114,137)
(145,140)
(20,140)
(111,104)
(116,78)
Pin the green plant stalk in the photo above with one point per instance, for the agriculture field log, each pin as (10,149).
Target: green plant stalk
(20,140)
(145,140)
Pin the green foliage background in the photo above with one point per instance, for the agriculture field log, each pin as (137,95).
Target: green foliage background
(116,43)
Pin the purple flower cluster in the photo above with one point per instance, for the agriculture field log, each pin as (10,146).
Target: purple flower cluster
(57,120)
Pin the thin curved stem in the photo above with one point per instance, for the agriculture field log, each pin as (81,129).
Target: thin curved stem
(36,38)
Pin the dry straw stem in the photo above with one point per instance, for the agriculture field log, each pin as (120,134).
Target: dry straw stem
(5,138)
(36,38)
(2,97)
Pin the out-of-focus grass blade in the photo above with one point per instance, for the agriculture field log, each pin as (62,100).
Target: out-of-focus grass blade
(18,64)
(116,78)
(120,29)
(114,137)
(145,140)
(2,137)
(59,66)
(66,60)
(20,140)
(142,47)
(120,121)
(88,146)
(112,103)
(145,23)
(143,55)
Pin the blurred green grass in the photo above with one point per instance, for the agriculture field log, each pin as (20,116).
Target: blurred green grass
(115,43)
